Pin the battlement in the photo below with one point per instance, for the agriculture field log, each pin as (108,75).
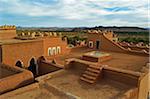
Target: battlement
(7,32)
(99,31)
(34,35)
(8,27)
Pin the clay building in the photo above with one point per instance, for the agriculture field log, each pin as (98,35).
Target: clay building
(107,40)
(98,39)
(15,49)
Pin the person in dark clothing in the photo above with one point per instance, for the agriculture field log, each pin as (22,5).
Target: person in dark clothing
(32,66)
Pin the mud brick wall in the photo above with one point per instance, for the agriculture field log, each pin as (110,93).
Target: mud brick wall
(21,78)
(47,67)
(89,58)
(7,34)
(121,77)
(24,51)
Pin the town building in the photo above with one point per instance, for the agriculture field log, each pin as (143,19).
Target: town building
(24,48)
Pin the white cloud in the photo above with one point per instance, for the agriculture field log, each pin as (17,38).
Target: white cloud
(81,9)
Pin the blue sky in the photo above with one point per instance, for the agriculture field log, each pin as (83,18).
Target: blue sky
(74,13)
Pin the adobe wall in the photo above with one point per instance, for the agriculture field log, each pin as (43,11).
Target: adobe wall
(7,34)
(96,59)
(109,35)
(128,79)
(21,78)
(136,48)
(94,37)
(131,94)
(144,86)
(21,51)
(54,42)
(110,45)
(89,58)
(105,43)
(47,67)
(77,66)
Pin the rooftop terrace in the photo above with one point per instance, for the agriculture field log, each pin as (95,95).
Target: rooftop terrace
(66,84)
(70,82)
(119,60)
(12,41)
(4,72)
(9,78)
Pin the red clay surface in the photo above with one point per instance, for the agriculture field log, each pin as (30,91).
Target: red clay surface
(70,82)
(119,60)
(5,72)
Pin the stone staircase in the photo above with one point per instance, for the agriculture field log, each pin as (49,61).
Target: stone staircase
(91,74)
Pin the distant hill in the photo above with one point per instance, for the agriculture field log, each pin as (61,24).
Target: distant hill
(115,29)
(79,29)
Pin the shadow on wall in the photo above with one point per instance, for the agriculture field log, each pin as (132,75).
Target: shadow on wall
(45,66)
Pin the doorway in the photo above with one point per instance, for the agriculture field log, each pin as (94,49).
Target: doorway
(19,64)
(97,44)
(33,67)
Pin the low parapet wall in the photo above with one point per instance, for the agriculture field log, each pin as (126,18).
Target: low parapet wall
(138,48)
(77,66)
(135,52)
(45,67)
(123,76)
(138,81)
(20,78)
(144,86)
(7,34)
(109,45)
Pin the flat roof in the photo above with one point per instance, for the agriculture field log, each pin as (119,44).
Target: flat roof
(119,60)
(5,72)
(67,85)
(70,82)
(37,91)
(15,41)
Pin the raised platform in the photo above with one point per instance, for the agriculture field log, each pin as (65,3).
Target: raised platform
(96,56)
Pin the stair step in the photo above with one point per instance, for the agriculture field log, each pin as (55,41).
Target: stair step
(94,67)
(87,80)
(89,77)
(93,70)
(91,73)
